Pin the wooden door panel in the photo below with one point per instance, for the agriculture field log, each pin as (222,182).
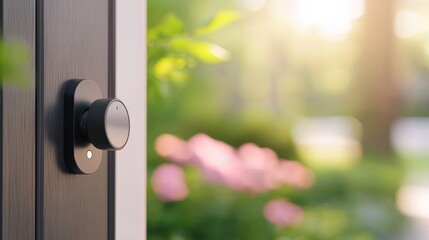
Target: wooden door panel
(75,46)
(18,109)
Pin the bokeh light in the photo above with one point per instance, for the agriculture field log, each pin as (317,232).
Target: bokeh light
(331,142)
(413,201)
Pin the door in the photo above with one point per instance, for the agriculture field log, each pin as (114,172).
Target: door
(40,197)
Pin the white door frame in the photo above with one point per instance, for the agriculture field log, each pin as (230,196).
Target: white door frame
(130,192)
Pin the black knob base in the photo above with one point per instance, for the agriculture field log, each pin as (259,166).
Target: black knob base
(80,155)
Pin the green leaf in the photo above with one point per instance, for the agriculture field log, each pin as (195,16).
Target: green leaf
(204,51)
(181,44)
(219,21)
(209,52)
(171,69)
(163,67)
(169,27)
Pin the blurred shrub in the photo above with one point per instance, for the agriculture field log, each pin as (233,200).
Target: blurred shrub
(356,204)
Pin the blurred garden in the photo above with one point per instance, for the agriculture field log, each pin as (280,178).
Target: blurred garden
(288,119)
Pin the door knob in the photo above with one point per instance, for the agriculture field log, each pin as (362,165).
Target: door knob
(106,124)
(91,124)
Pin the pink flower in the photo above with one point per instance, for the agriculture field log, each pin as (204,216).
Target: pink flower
(173,148)
(293,173)
(217,160)
(283,213)
(168,182)
(249,169)
(259,164)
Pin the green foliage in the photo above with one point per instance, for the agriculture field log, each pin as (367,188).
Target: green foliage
(14,60)
(173,51)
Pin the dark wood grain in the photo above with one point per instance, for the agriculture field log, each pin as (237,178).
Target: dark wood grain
(18,130)
(75,43)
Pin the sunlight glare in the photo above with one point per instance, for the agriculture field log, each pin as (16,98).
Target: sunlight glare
(331,18)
